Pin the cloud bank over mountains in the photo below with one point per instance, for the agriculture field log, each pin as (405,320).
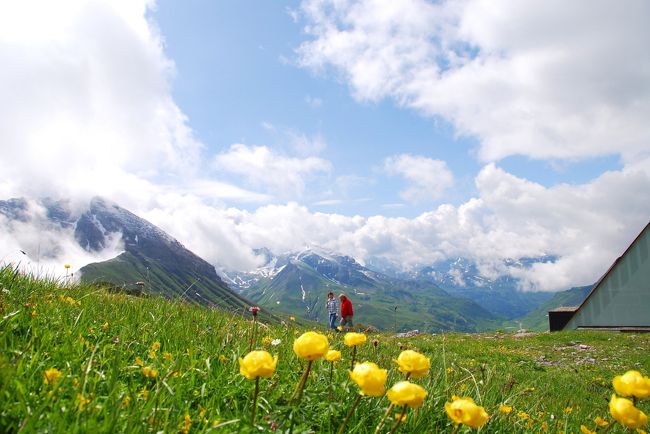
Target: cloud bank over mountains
(87,109)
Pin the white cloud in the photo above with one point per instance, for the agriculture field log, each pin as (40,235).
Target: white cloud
(86,106)
(586,226)
(545,79)
(279,175)
(47,246)
(428,178)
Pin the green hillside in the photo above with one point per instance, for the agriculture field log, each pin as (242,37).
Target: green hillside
(538,318)
(301,291)
(77,359)
(198,286)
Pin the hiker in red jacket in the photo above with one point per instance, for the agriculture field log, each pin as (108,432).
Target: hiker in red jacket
(346,312)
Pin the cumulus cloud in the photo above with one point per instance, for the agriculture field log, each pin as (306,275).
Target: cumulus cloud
(428,178)
(585,226)
(544,79)
(86,98)
(261,167)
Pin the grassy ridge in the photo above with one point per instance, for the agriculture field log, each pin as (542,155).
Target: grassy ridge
(96,340)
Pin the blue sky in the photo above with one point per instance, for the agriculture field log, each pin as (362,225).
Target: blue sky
(237,71)
(411,131)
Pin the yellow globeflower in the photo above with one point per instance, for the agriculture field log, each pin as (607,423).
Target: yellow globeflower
(465,411)
(257,364)
(414,363)
(333,356)
(352,339)
(149,372)
(370,378)
(52,376)
(601,422)
(505,409)
(311,346)
(624,411)
(632,383)
(585,430)
(406,393)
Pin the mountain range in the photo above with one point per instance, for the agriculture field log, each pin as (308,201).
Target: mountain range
(298,283)
(448,295)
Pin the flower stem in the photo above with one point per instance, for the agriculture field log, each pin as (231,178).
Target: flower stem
(250,346)
(399,420)
(331,372)
(347,418)
(383,419)
(457,428)
(297,394)
(255,393)
(354,356)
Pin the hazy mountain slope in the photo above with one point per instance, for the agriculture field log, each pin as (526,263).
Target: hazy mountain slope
(538,318)
(461,277)
(298,283)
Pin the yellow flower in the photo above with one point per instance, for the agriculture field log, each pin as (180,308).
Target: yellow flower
(585,430)
(370,378)
(450,371)
(66,266)
(505,409)
(257,364)
(465,411)
(624,411)
(311,346)
(82,401)
(523,415)
(155,346)
(292,318)
(105,326)
(125,402)
(52,376)
(266,340)
(568,410)
(640,431)
(632,383)
(414,363)
(222,358)
(139,362)
(167,356)
(149,372)
(601,422)
(397,417)
(333,356)
(352,339)
(406,393)
(187,423)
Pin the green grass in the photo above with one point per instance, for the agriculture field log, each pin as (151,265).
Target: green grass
(94,339)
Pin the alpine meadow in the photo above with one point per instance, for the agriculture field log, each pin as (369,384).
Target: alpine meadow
(324,216)
(79,359)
